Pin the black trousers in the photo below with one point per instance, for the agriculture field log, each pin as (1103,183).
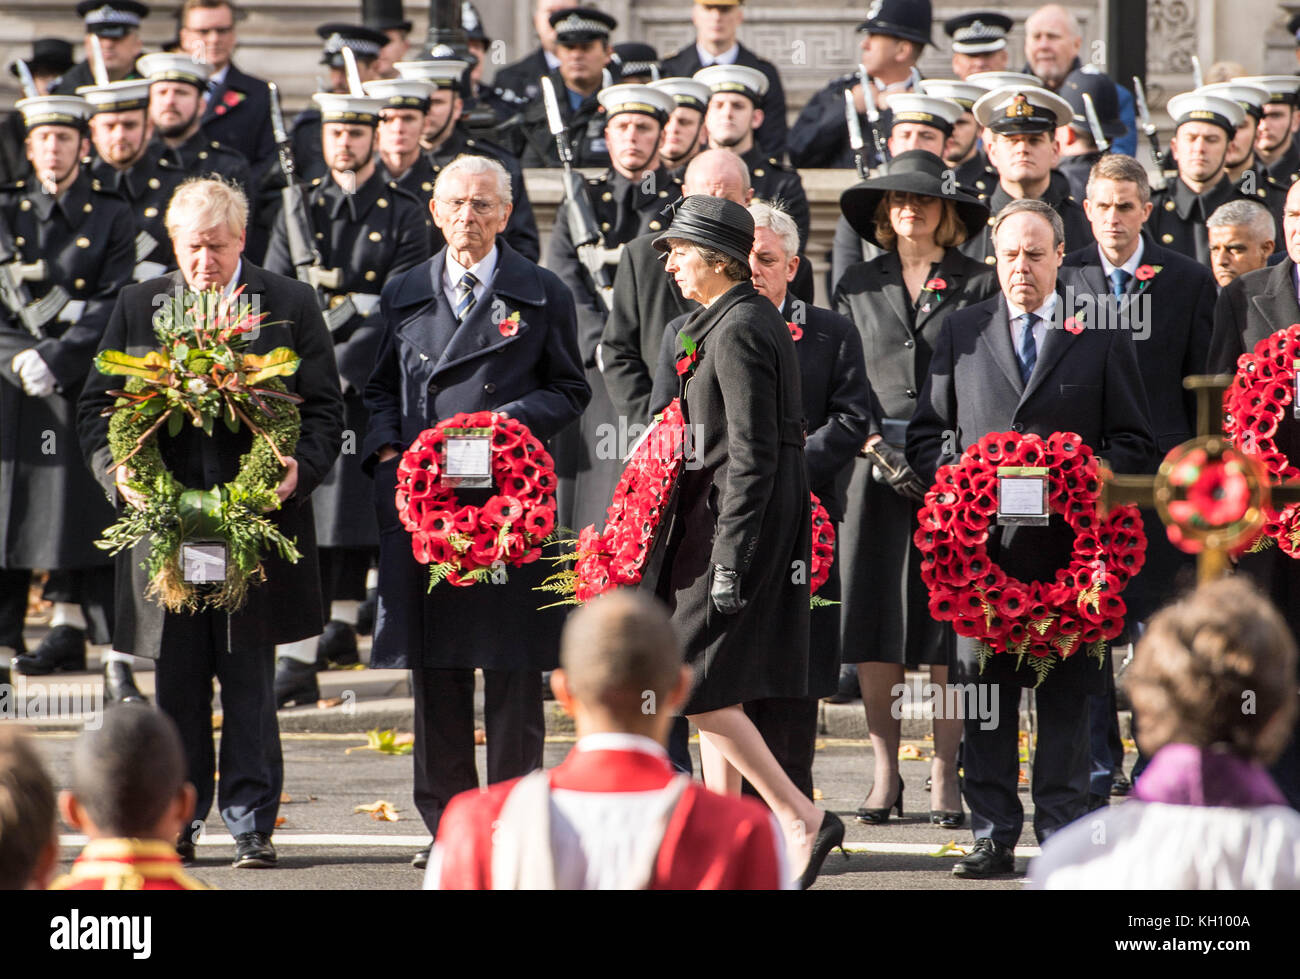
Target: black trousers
(194,650)
(444,732)
(343,573)
(91,588)
(789,726)
(1060,771)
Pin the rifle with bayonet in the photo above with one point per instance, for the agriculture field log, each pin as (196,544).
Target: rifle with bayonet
(855,134)
(30,91)
(873,115)
(1148,127)
(584,230)
(1094,124)
(14,294)
(307,262)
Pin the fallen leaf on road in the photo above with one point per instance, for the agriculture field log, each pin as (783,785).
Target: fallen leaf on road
(284,797)
(326,703)
(480,736)
(909,752)
(950,849)
(381,810)
(279,821)
(817,795)
(388,742)
(1021,779)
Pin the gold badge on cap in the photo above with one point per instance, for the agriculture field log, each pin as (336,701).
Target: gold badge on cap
(1020,107)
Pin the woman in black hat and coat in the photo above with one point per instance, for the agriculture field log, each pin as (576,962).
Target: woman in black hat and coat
(735,569)
(898,302)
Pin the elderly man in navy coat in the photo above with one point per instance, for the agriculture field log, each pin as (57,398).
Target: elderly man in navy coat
(443,353)
(1006,364)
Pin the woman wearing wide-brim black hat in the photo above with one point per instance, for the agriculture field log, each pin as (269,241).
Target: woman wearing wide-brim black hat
(898,301)
(738,542)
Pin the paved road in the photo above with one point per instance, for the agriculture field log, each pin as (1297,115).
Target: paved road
(323,843)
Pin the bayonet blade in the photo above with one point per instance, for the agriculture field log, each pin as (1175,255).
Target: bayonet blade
(97,65)
(1144,114)
(25,78)
(855,125)
(354,76)
(1094,124)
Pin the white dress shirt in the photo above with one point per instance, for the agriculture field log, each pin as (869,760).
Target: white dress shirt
(1044,312)
(728,57)
(483,270)
(1130,266)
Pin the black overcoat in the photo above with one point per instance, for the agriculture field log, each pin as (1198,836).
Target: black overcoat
(885,615)
(742,504)
(428,370)
(1088,383)
(287,606)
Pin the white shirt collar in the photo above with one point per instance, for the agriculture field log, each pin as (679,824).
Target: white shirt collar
(621,741)
(728,57)
(219,77)
(552,62)
(1130,266)
(1044,311)
(233,284)
(483,270)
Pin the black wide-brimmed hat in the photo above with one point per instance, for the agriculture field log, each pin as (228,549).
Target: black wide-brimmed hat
(913,172)
(713,222)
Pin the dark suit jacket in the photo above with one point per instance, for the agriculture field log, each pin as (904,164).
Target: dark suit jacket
(645,298)
(1171,321)
(772,133)
(1250,308)
(239,116)
(287,606)
(1088,383)
(521,77)
(428,369)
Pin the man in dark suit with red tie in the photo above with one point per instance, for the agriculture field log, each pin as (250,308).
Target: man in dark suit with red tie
(1007,364)
(444,352)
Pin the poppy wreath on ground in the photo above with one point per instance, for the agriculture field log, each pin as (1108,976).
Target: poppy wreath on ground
(616,556)
(202,374)
(465,544)
(1253,407)
(1041,621)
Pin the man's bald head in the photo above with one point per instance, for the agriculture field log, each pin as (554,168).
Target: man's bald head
(718,173)
(1052,42)
(617,649)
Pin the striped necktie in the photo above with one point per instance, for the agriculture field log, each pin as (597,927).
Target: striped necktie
(1028,352)
(465,296)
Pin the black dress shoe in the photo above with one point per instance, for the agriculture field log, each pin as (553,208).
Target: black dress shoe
(254,850)
(119,684)
(829,837)
(337,645)
(1120,785)
(185,850)
(63,648)
(989,859)
(848,690)
(421,858)
(295,682)
(366,613)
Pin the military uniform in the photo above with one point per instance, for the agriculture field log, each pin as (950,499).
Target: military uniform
(370,236)
(977,177)
(127,865)
(1078,230)
(527,136)
(147,187)
(1178,218)
(1286,168)
(51,509)
(774,182)
(200,156)
(1076,170)
(586,466)
(304,138)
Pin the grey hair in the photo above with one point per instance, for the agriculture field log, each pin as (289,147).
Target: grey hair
(1247,214)
(769,216)
(1032,206)
(202,203)
(1071,22)
(471,165)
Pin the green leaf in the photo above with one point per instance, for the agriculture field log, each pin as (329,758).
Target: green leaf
(175,423)
(687,343)
(152,366)
(280,362)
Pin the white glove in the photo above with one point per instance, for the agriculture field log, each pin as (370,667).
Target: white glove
(34,373)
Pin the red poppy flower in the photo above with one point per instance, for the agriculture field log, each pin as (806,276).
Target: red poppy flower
(1013,603)
(539,522)
(936,284)
(436,523)
(685,364)
(1072,325)
(501,510)
(506,438)
(1144,272)
(508,327)
(483,549)
(1016,633)
(465,519)
(970,628)
(796,333)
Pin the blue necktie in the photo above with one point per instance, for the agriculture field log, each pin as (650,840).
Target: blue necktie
(1118,282)
(465,296)
(1028,352)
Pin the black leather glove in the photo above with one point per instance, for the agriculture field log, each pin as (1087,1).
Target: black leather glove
(889,465)
(725,591)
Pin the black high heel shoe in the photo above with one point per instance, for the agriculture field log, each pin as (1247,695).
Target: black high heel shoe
(947,818)
(874,817)
(829,837)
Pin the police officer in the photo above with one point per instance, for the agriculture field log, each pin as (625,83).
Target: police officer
(582,44)
(684,131)
(979,42)
(1204,125)
(444,138)
(51,511)
(1024,151)
(1276,142)
(628,200)
(635,62)
(178,94)
(128,163)
(367,230)
(962,150)
(1245,168)
(893,37)
(366,43)
(117,25)
(1079,147)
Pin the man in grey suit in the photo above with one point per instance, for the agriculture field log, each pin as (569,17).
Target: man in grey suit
(1007,364)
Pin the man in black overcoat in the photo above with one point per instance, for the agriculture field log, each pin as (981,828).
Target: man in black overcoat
(431,365)
(1008,365)
(207,220)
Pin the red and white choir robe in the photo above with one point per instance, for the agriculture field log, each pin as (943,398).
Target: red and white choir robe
(616,816)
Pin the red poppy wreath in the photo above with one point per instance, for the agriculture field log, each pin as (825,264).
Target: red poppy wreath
(616,556)
(1044,621)
(465,544)
(1253,407)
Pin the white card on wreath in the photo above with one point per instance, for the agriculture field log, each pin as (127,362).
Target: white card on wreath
(1022,496)
(203,562)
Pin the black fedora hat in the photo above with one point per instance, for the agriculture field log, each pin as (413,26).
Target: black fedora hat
(50,55)
(913,172)
(713,222)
